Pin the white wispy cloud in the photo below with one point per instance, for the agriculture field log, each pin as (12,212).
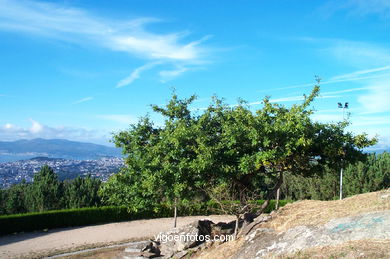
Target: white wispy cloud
(36,127)
(357,54)
(349,90)
(169,74)
(78,26)
(358,73)
(377,98)
(349,77)
(370,120)
(10,131)
(83,100)
(136,74)
(358,7)
(119,118)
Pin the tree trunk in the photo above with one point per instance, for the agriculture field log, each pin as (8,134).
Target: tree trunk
(175,214)
(250,225)
(271,194)
(277,199)
(236,226)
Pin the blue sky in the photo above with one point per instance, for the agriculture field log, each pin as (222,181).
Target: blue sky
(83,69)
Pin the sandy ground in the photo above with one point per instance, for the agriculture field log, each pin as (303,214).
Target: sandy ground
(56,241)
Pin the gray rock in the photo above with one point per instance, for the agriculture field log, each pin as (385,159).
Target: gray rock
(140,250)
(265,242)
(180,239)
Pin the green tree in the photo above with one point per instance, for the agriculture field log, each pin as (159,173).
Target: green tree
(16,198)
(369,175)
(46,191)
(158,160)
(82,192)
(231,145)
(134,186)
(3,199)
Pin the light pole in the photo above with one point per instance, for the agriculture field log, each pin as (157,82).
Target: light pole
(340,105)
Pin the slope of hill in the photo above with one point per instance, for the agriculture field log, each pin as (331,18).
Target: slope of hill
(356,227)
(54,148)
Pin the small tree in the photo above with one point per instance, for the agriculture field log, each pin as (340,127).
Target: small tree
(158,160)
(16,198)
(46,191)
(82,192)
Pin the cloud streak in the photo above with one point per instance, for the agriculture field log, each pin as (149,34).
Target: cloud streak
(358,73)
(135,74)
(349,77)
(78,26)
(169,74)
(377,99)
(358,7)
(83,100)
(10,132)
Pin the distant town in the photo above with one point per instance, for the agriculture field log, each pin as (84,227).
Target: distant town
(15,172)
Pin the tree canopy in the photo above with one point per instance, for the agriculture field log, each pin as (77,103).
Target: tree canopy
(226,144)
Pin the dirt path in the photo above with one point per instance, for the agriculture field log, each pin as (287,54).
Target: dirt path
(38,244)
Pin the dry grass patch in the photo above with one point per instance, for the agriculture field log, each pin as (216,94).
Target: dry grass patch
(220,251)
(309,212)
(105,253)
(373,249)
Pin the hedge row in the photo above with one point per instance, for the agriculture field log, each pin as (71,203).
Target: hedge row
(97,215)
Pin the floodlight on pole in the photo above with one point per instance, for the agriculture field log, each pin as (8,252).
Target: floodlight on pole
(346,106)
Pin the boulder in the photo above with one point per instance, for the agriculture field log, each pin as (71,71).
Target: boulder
(180,239)
(138,250)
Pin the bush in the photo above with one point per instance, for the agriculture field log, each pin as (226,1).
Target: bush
(97,215)
(64,218)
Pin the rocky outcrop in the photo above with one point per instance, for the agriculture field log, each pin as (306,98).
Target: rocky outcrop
(180,239)
(265,241)
(179,242)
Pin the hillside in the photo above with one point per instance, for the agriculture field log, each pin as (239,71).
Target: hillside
(356,227)
(54,148)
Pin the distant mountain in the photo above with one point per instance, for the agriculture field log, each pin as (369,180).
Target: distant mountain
(54,148)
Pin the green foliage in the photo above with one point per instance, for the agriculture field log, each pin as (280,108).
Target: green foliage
(226,145)
(15,199)
(82,192)
(45,191)
(371,175)
(97,215)
(63,218)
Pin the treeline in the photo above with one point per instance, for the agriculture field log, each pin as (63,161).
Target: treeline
(47,192)
(368,176)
